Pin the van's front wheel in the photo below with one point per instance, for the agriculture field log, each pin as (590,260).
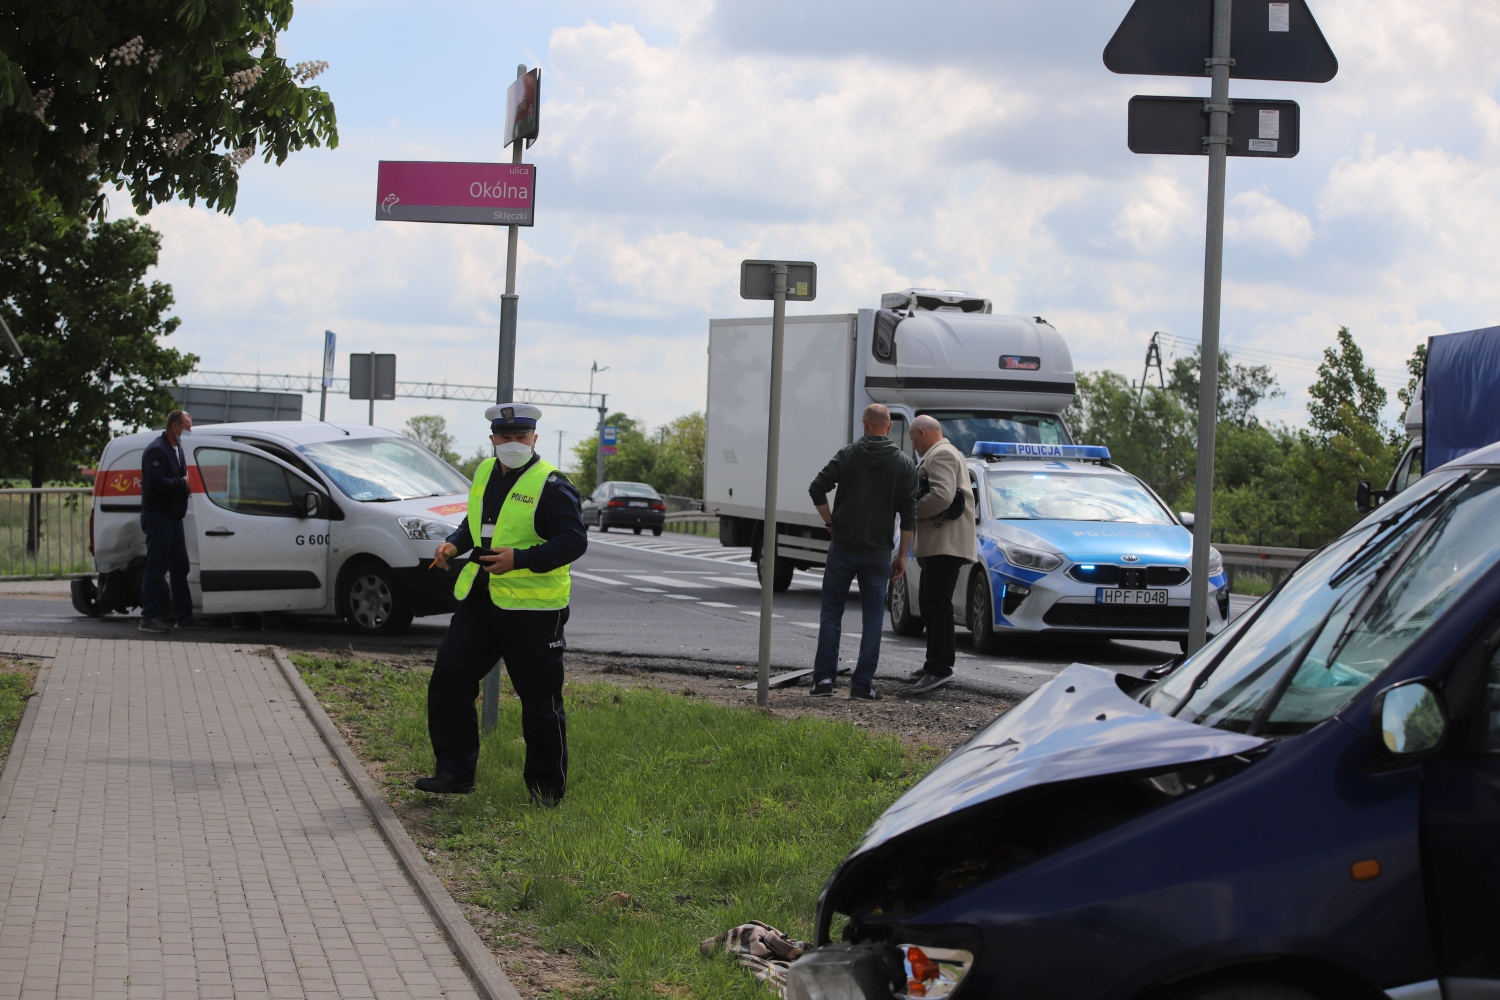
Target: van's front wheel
(373,602)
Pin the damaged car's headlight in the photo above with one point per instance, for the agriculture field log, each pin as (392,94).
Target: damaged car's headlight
(932,972)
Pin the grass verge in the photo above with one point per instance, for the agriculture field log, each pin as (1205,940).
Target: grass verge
(16,677)
(682,819)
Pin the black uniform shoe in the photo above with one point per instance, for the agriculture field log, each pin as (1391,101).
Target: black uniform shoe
(929,683)
(821,689)
(154,625)
(444,784)
(195,624)
(864,694)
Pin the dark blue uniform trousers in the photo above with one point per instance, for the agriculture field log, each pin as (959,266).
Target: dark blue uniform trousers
(166,555)
(531,643)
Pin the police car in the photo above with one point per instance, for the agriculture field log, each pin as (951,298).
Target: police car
(1068,543)
(304,518)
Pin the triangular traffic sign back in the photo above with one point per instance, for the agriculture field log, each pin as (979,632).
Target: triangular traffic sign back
(1268,41)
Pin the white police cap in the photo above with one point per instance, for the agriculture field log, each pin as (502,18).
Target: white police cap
(512,417)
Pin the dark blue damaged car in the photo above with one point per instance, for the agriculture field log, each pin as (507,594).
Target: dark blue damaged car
(1309,807)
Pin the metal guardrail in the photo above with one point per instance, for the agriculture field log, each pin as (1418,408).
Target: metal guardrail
(1263,556)
(44,533)
(693,522)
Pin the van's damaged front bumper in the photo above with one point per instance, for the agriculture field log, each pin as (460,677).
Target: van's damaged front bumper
(1076,758)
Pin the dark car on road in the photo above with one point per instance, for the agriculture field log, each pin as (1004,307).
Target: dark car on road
(625,505)
(1308,808)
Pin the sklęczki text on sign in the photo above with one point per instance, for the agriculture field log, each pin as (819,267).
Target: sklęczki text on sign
(476,194)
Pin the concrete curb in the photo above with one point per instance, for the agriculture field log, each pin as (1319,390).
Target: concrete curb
(489,979)
(18,745)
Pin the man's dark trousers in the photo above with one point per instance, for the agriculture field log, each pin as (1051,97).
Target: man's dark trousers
(935,597)
(532,645)
(166,552)
(873,576)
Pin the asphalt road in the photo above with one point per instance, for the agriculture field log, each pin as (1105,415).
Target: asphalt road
(677,597)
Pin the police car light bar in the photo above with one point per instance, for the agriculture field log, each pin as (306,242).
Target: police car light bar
(1008,449)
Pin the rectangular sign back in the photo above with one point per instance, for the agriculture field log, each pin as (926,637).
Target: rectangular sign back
(476,194)
(1178,125)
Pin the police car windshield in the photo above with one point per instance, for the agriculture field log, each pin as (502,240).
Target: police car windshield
(383,469)
(963,427)
(1055,495)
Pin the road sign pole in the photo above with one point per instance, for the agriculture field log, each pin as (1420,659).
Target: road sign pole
(505,388)
(773,456)
(1213,283)
(372,388)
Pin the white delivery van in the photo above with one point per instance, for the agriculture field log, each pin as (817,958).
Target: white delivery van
(316,519)
(983,377)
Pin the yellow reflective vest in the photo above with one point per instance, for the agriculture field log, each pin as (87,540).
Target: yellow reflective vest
(520,589)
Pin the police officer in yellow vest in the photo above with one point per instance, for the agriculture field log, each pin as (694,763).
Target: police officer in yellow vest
(525,526)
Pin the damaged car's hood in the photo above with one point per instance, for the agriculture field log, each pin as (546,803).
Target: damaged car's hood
(1078,725)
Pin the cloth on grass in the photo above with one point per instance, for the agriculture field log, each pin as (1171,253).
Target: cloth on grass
(761,948)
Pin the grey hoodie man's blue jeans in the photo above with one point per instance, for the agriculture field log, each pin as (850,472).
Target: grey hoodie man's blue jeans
(873,576)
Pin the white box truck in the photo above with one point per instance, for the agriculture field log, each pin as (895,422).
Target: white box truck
(984,377)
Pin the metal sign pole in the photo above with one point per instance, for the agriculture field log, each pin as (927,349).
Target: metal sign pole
(1213,281)
(372,388)
(505,388)
(773,456)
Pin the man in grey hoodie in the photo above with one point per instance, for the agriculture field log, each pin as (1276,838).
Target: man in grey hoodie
(876,483)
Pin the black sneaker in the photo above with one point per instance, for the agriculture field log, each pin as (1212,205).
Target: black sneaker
(864,694)
(929,683)
(444,784)
(193,624)
(153,625)
(821,689)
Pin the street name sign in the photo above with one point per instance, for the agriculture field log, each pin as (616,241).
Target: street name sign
(476,194)
(1272,41)
(1177,125)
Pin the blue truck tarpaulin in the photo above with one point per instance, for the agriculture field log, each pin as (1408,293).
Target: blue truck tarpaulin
(1460,404)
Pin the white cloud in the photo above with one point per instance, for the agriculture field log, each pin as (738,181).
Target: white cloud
(1261,221)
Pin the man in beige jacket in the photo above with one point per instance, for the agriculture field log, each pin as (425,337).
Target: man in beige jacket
(945,541)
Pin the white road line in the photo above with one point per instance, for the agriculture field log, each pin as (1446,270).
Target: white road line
(667,581)
(649,590)
(715,604)
(599,579)
(682,597)
(736,581)
(808,624)
(757,614)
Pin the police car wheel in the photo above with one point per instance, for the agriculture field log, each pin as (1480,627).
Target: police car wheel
(372,601)
(982,618)
(898,601)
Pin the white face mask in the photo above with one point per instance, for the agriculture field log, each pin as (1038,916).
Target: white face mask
(513,454)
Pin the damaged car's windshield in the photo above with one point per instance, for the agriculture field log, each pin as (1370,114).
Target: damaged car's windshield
(1341,619)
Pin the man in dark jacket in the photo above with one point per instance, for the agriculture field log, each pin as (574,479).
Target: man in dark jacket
(164,503)
(876,483)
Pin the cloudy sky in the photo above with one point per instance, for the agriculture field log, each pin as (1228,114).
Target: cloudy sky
(972,144)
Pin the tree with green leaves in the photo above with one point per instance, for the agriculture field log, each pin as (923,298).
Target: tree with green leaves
(167,97)
(1241,387)
(76,297)
(431,432)
(1416,368)
(670,458)
(1346,390)
(1150,435)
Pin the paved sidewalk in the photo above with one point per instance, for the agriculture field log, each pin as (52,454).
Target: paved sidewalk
(173,826)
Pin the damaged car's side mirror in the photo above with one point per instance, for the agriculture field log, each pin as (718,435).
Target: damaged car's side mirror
(1409,718)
